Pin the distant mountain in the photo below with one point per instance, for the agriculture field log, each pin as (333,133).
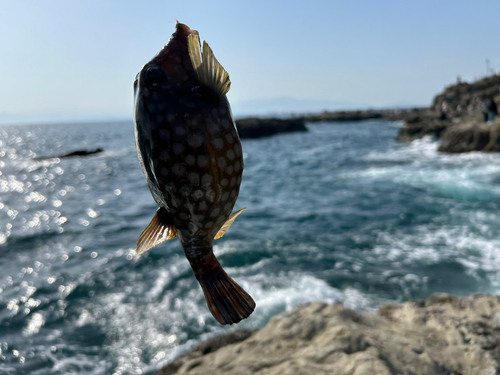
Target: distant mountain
(286,106)
(54,118)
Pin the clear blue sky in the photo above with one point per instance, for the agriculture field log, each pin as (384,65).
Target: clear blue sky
(63,59)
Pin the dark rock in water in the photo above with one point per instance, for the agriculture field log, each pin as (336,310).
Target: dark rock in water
(261,127)
(255,127)
(420,127)
(442,335)
(344,116)
(73,154)
(471,136)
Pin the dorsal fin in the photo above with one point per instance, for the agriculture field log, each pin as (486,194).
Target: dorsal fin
(209,71)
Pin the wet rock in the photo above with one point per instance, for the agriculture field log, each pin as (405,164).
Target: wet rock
(422,127)
(441,335)
(471,136)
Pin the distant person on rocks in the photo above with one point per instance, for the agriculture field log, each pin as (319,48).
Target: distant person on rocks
(444,110)
(483,105)
(492,110)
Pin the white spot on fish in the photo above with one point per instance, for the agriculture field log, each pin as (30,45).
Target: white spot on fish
(202,161)
(178,148)
(233,194)
(233,182)
(225,123)
(210,194)
(198,194)
(203,205)
(230,169)
(209,225)
(237,149)
(218,143)
(222,162)
(206,179)
(164,134)
(238,180)
(164,155)
(237,166)
(224,196)
(178,170)
(228,206)
(230,154)
(190,160)
(229,138)
(224,182)
(185,190)
(179,130)
(194,178)
(215,212)
(195,141)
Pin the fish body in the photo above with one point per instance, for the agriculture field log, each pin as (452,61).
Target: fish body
(192,159)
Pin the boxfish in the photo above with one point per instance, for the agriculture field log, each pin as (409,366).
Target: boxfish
(191,156)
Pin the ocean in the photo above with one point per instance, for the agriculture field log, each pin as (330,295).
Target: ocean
(341,213)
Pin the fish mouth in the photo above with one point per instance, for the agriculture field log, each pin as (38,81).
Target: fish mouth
(173,59)
(177,44)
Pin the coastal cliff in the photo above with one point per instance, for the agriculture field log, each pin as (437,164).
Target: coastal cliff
(461,127)
(442,335)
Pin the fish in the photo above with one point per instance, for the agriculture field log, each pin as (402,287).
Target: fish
(191,156)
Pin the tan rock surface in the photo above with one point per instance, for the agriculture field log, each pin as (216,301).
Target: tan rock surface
(441,335)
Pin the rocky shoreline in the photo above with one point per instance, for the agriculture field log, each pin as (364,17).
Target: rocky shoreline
(254,127)
(459,125)
(444,334)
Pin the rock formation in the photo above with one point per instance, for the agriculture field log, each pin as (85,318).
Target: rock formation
(441,335)
(257,127)
(461,128)
(463,95)
(73,154)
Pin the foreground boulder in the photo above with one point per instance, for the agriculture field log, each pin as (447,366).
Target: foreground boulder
(441,335)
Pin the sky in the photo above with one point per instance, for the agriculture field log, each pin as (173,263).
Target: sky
(64,60)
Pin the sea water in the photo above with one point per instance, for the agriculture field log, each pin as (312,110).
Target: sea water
(341,213)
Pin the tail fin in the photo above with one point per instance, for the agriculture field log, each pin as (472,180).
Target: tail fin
(227,301)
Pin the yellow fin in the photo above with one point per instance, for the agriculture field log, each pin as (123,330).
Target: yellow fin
(227,224)
(155,233)
(209,71)
(194,51)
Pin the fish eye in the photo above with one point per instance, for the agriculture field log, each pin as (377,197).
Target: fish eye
(155,77)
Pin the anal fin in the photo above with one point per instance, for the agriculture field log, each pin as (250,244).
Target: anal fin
(157,232)
(228,223)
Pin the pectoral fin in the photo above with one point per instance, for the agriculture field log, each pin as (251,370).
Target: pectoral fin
(157,232)
(227,224)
